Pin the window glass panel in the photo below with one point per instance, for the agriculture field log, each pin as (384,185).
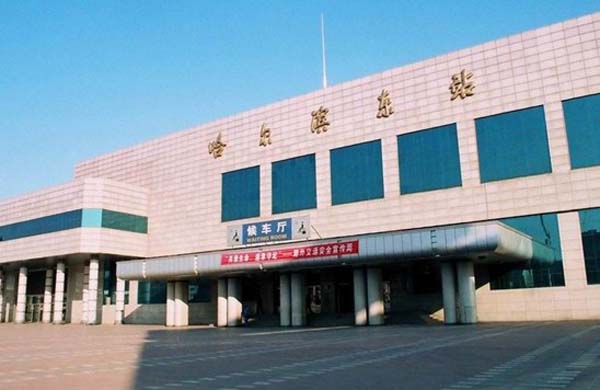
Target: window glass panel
(590,235)
(48,224)
(429,160)
(152,292)
(513,144)
(124,221)
(294,184)
(199,291)
(109,286)
(582,119)
(240,194)
(545,269)
(356,173)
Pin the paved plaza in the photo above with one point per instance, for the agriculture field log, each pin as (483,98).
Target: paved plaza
(546,355)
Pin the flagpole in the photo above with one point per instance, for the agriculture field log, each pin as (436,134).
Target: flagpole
(323,52)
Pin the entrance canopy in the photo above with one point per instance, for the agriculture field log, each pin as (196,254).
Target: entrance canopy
(488,242)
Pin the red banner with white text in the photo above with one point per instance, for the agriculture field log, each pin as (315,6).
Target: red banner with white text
(290,254)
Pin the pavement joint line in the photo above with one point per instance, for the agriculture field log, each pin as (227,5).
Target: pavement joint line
(296,331)
(528,357)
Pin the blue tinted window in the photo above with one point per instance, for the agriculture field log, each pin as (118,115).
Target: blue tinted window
(240,194)
(294,184)
(582,119)
(48,224)
(429,160)
(152,292)
(356,173)
(545,269)
(590,235)
(72,220)
(513,144)
(124,221)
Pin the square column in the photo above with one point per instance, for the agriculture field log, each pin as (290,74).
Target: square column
(170,310)
(59,293)
(181,304)
(21,295)
(234,302)
(92,301)
(298,299)
(47,308)
(467,307)
(360,297)
(85,294)
(1,296)
(222,302)
(375,296)
(120,304)
(285,300)
(448,292)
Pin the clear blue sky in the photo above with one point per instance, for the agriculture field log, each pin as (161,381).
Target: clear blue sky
(83,78)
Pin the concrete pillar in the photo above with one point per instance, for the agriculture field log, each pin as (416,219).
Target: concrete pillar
(48,286)
(467,307)
(170,312)
(298,298)
(360,297)
(59,292)
(1,296)
(234,302)
(375,296)
(120,302)
(85,294)
(181,304)
(133,292)
(10,283)
(21,295)
(285,302)
(92,299)
(222,302)
(448,292)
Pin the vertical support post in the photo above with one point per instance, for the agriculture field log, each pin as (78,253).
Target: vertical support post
(375,296)
(181,304)
(234,302)
(360,297)
(120,304)
(1,296)
(467,307)
(59,293)
(222,302)
(48,286)
(92,299)
(170,309)
(448,292)
(85,294)
(298,299)
(285,302)
(21,295)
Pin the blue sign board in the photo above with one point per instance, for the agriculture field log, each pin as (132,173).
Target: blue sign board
(277,230)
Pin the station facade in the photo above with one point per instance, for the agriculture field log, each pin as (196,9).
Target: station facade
(462,188)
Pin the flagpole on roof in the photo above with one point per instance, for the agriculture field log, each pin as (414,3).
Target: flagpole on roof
(323,52)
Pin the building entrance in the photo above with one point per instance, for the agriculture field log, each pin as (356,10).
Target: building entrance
(34,300)
(329,296)
(412,293)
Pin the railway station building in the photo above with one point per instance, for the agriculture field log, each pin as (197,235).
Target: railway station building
(458,189)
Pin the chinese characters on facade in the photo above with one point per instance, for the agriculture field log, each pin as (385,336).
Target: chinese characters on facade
(216,147)
(385,104)
(265,135)
(319,121)
(462,85)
